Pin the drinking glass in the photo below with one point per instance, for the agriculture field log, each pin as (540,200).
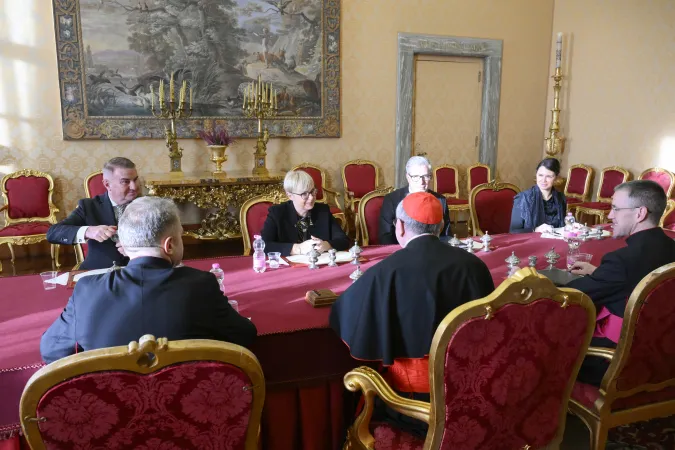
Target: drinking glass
(234,304)
(576,257)
(273,258)
(48,276)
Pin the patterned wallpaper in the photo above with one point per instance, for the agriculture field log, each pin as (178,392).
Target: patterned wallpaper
(617,97)
(30,134)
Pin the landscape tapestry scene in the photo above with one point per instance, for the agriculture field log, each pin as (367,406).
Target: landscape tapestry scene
(217,46)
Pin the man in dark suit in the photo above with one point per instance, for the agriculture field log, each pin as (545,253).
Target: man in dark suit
(148,296)
(418,174)
(637,207)
(390,314)
(94,221)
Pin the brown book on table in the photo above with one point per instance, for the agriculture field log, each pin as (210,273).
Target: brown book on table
(321,297)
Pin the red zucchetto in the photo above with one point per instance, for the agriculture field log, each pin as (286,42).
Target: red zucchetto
(423,207)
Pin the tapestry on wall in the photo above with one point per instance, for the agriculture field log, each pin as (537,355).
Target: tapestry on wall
(111,53)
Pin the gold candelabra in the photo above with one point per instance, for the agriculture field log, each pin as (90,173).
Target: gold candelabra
(172,111)
(555,143)
(260,102)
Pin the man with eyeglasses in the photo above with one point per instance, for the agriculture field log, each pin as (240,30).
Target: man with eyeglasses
(151,295)
(637,207)
(418,174)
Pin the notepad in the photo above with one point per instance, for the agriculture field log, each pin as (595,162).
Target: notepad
(324,258)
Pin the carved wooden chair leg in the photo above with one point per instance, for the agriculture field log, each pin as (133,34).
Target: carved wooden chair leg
(55,248)
(11,252)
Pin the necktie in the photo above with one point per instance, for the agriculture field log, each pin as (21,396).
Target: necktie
(119,209)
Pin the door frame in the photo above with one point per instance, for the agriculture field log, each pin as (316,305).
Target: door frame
(489,50)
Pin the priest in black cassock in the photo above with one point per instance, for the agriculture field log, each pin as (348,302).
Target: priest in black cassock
(391,313)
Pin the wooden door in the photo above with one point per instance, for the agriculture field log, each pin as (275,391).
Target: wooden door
(446,111)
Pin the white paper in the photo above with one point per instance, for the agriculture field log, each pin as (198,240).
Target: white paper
(61,279)
(89,273)
(323,258)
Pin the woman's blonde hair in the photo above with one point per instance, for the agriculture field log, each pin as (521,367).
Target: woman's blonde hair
(298,181)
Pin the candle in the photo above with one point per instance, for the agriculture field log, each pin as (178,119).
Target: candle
(161,93)
(245,92)
(558,51)
(152,98)
(190,97)
(171,89)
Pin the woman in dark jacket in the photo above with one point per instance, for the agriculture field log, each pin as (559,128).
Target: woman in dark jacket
(540,208)
(297,225)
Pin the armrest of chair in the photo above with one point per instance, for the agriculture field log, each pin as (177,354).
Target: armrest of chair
(602,352)
(371,383)
(331,197)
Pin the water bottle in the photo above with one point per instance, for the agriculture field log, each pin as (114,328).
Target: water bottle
(218,272)
(258,254)
(569,222)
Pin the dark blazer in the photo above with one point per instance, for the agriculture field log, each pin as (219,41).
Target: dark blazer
(387,229)
(148,296)
(537,215)
(393,310)
(279,231)
(620,271)
(90,212)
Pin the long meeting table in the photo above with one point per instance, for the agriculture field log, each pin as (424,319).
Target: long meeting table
(303,360)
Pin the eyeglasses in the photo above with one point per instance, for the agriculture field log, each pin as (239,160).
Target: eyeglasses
(417,178)
(615,209)
(305,195)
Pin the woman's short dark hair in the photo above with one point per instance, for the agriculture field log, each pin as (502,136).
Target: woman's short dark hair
(551,164)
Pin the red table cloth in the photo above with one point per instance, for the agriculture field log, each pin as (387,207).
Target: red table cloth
(302,359)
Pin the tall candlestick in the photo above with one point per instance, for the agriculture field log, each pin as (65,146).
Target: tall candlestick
(558,51)
(171,89)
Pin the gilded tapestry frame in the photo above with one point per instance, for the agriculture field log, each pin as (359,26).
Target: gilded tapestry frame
(78,124)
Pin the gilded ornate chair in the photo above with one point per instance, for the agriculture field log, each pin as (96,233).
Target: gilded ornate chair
(668,218)
(491,205)
(640,381)
(359,177)
(252,217)
(578,186)
(323,193)
(369,216)
(662,176)
(501,370)
(93,184)
(151,394)
(477,174)
(610,178)
(446,182)
(29,210)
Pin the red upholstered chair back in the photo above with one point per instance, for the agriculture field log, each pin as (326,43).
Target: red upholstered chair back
(645,355)
(611,178)
(369,216)
(579,181)
(360,177)
(491,206)
(477,174)
(252,217)
(157,395)
(662,176)
(668,218)
(93,184)
(318,177)
(446,180)
(502,368)
(28,195)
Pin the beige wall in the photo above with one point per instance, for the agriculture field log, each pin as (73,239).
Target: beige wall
(30,133)
(618,97)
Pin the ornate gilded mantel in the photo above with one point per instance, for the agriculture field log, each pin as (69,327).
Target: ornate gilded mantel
(225,192)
